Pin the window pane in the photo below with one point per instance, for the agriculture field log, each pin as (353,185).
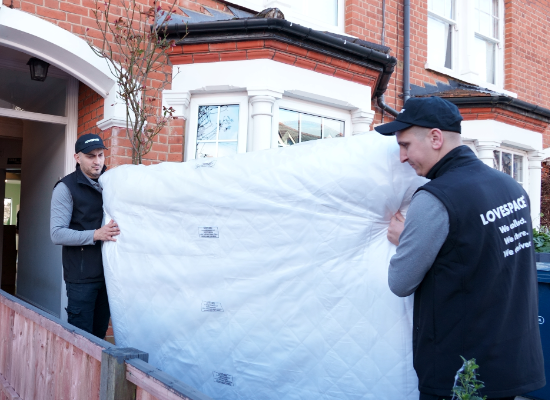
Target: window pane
(518,168)
(208,121)
(227,148)
(311,127)
(441,7)
(288,127)
(332,128)
(485,60)
(229,122)
(206,149)
(438,40)
(486,6)
(496,160)
(507,163)
(485,24)
(296,127)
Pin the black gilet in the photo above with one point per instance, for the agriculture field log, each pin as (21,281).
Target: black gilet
(480,298)
(83,264)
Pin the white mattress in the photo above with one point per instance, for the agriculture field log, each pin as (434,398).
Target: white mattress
(264,275)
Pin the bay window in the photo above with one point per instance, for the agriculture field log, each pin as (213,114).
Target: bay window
(296,127)
(510,163)
(217,130)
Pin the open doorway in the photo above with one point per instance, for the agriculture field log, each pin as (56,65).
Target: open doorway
(10,173)
(37,122)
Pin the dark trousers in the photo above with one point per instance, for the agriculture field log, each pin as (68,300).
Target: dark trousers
(88,307)
(424,396)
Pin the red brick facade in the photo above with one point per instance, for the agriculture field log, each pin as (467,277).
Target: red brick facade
(277,51)
(526,49)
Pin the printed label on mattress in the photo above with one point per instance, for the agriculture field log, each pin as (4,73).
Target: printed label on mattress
(224,379)
(209,232)
(206,165)
(211,306)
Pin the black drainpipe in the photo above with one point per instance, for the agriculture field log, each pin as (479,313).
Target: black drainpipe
(406,55)
(406,50)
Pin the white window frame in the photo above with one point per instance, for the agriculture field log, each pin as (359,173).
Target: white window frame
(308,108)
(293,16)
(525,162)
(454,26)
(463,60)
(215,100)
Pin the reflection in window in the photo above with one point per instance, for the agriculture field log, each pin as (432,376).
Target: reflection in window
(440,31)
(510,164)
(296,127)
(217,131)
(486,32)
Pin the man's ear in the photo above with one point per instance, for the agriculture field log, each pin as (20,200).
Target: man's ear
(436,138)
(77,158)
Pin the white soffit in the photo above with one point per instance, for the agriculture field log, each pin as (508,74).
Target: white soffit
(508,135)
(274,76)
(42,39)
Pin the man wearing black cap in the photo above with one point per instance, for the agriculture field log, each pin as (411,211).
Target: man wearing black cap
(76,217)
(465,252)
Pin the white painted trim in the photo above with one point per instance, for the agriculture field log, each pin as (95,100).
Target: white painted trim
(71,130)
(110,123)
(269,75)
(177,100)
(53,119)
(37,37)
(209,100)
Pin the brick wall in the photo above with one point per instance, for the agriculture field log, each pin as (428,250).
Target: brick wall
(526,40)
(76,16)
(277,51)
(364,20)
(527,46)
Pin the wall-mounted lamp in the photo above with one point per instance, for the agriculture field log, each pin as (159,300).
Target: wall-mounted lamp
(39,69)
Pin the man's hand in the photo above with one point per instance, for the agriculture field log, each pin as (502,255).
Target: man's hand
(397,224)
(107,232)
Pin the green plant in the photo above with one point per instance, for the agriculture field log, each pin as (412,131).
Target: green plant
(541,239)
(466,383)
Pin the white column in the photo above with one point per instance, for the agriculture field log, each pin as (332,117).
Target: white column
(535,166)
(179,101)
(485,151)
(361,120)
(259,137)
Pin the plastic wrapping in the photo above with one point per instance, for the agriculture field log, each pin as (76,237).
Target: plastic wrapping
(264,275)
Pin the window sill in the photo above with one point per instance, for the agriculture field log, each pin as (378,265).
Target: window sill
(478,82)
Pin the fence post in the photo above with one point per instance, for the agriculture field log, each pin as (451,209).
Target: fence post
(114,385)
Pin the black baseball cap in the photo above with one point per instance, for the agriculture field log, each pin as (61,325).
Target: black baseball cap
(428,112)
(87,143)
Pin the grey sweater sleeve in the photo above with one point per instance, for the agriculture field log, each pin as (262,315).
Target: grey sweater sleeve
(426,229)
(60,218)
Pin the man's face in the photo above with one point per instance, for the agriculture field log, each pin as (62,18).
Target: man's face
(417,148)
(91,163)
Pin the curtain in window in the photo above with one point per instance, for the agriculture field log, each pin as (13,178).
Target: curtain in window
(439,43)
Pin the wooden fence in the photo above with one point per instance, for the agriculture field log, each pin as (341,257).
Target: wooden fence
(42,357)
